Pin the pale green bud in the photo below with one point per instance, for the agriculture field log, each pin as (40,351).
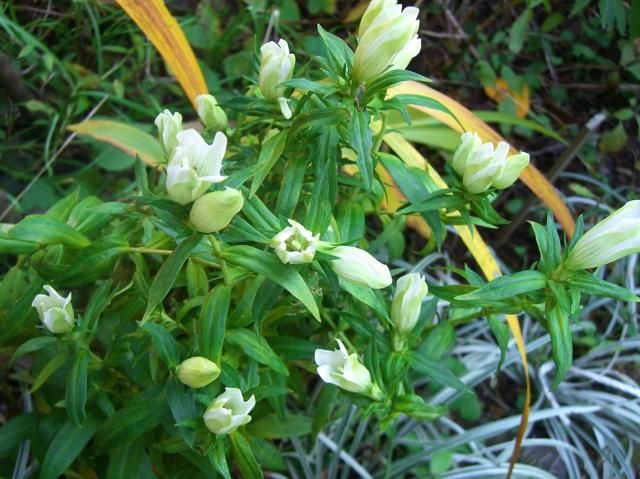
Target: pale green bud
(346,371)
(211,115)
(276,66)
(169,125)
(228,411)
(197,372)
(359,267)
(387,39)
(482,167)
(616,236)
(214,211)
(411,290)
(295,244)
(194,166)
(55,311)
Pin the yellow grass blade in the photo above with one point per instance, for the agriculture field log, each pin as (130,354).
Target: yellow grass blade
(485,260)
(165,33)
(127,138)
(530,176)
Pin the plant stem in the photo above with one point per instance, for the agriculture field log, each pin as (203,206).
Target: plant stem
(223,265)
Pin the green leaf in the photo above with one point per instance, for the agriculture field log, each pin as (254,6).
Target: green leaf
(366,296)
(441,199)
(323,407)
(361,140)
(76,394)
(141,414)
(519,30)
(501,332)
(309,85)
(271,427)
(97,304)
(390,78)
(414,406)
(49,368)
(591,284)
(168,272)
(426,102)
(66,446)
(561,342)
(125,461)
(291,186)
(258,348)
(244,458)
(317,117)
(34,344)
(413,184)
(13,246)
(323,196)
(339,54)
(269,266)
(92,262)
(437,371)
(13,432)
(440,340)
(43,229)
(506,287)
(269,155)
(218,458)
(181,403)
(127,138)
(164,343)
(212,323)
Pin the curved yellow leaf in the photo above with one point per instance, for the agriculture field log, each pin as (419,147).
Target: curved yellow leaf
(123,136)
(485,260)
(165,33)
(530,176)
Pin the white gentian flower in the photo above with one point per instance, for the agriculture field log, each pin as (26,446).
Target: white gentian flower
(197,372)
(276,66)
(228,411)
(295,244)
(616,236)
(54,310)
(214,211)
(387,39)
(169,125)
(359,267)
(194,166)
(411,290)
(345,371)
(211,115)
(481,166)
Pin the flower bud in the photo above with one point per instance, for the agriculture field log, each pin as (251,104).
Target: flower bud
(411,290)
(228,411)
(482,167)
(295,244)
(197,372)
(616,236)
(169,125)
(214,211)
(345,371)
(211,115)
(194,166)
(276,66)
(387,39)
(359,267)
(55,311)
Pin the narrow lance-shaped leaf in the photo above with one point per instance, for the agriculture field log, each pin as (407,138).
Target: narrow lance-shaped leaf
(361,140)
(76,394)
(168,272)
